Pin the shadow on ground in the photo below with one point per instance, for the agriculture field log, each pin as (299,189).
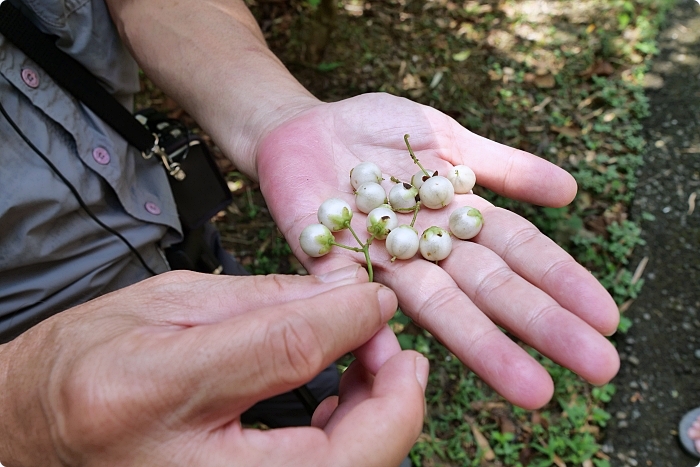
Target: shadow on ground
(660,373)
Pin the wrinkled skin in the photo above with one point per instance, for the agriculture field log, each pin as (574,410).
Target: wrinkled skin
(159,373)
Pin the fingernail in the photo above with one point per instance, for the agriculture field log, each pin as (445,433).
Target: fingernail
(387,301)
(422,369)
(348,272)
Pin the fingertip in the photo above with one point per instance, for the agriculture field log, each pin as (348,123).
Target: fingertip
(324,411)
(376,351)
(607,365)
(533,390)
(388,302)
(568,189)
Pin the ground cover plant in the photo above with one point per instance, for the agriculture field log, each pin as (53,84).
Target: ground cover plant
(560,79)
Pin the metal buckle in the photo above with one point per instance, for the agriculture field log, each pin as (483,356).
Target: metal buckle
(173,168)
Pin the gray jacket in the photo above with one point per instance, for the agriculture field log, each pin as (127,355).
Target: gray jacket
(52,254)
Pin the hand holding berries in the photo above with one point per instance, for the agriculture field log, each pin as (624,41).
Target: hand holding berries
(402,241)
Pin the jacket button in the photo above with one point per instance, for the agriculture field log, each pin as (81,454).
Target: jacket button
(30,78)
(152,208)
(101,156)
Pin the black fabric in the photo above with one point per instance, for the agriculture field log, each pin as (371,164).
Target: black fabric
(286,410)
(71,75)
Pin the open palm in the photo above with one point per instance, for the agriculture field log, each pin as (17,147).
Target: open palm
(510,275)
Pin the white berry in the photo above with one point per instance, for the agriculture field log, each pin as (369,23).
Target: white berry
(365,172)
(436,192)
(335,214)
(402,242)
(435,244)
(402,197)
(316,240)
(462,178)
(418,179)
(369,195)
(381,221)
(466,222)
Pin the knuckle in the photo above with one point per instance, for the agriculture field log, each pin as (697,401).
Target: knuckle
(294,348)
(537,320)
(520,237)
(442,299)
(70,400)
(493,280)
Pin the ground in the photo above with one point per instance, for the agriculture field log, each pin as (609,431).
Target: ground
(660,373)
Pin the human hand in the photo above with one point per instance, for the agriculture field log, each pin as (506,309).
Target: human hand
(159,373)
(510,275)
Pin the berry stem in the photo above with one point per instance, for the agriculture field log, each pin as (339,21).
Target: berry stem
(364,249)
(413,156)
(351,248)
(370,272)
(352,231)
(415,213)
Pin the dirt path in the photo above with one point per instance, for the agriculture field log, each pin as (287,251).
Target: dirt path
(660,374)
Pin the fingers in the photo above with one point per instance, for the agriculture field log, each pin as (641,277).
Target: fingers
(540,261)
(227,366)
(437,304)
(505,170)
(324,411)
(392,418)
(374,353)
(475,286)
(381,422)
(517,174)
(534,316)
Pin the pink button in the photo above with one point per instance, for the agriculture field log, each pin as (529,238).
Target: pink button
(153,208)
(30,78)
(101,156)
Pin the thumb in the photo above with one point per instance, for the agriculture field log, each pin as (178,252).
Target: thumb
(226,367)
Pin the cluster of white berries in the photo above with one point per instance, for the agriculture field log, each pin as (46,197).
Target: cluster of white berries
(432,191)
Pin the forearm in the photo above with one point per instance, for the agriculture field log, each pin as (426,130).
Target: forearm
(211,57)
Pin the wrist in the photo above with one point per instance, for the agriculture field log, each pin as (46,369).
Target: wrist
(25,431)
(243,145)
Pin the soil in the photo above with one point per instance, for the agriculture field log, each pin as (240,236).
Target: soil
(658,380)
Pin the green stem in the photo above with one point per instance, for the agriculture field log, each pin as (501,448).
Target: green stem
(352,231)
(413,156)
(415,213)
(351,248)
(370,272)
(364,249)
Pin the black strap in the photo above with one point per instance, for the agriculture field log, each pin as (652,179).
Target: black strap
(72,76)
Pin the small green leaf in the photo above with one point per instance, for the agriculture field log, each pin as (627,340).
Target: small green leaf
(461,56)
(329,66)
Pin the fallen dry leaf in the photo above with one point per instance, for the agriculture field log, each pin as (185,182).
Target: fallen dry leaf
(625,306)
(691,202)
(545,81)
(599,68)
(542,104)
(571,132)
(481,440)
(640,270)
